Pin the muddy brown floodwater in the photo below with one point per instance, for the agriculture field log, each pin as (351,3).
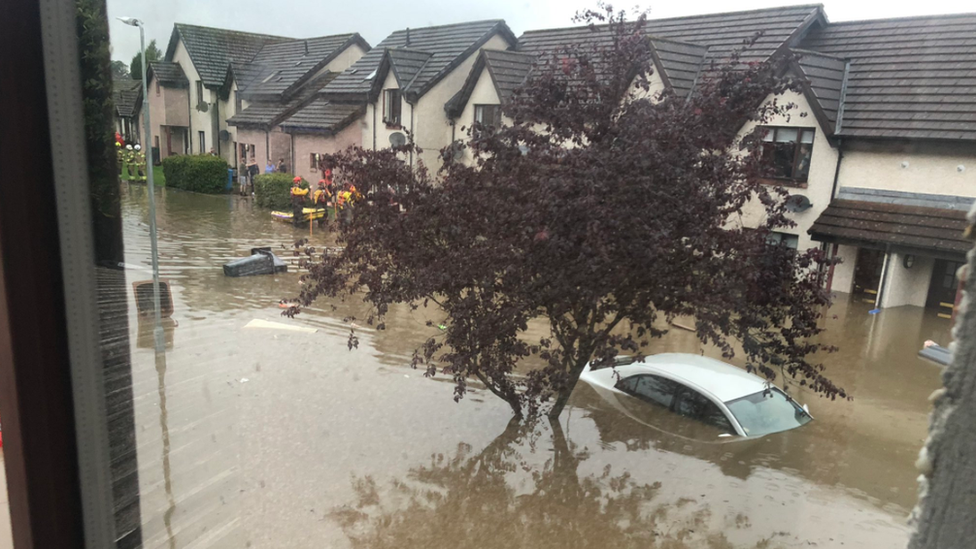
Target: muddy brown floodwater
(270,438)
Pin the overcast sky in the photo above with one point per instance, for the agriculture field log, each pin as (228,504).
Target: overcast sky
(375,19)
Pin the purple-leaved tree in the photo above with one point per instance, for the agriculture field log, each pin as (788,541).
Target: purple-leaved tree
(602,210)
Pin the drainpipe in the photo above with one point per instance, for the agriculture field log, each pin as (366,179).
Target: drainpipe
(884,276)
(189,120)
(294,168)
(412,135)
(267,146)
(374,127)
(840,157)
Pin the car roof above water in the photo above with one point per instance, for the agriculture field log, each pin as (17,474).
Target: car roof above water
(724,381)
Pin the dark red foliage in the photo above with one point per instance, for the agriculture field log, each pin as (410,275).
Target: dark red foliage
(599,210)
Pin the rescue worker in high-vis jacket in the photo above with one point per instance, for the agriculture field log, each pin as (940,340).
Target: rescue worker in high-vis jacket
(320,200)
(298,195)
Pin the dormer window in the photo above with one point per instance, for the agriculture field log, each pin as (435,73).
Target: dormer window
(488,115)
(391,108)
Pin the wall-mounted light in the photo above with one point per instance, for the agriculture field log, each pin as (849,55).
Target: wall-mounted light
(908,261)
(904,164)
(960,168)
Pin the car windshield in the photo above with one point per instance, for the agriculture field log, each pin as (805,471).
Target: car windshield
(767,412)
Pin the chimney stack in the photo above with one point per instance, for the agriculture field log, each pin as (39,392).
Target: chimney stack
(306,47)
(408,37)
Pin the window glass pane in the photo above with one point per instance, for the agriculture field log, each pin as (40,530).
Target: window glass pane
(768,135)
(696,406)
(783,155)
(807,136)
(802,168)
(655,389)
(786,135)
(767,412)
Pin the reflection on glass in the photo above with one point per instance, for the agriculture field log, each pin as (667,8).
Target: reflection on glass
(767,412)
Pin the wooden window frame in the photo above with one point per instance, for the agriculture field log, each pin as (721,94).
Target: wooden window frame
(791,181)
(397,101)
(497,118)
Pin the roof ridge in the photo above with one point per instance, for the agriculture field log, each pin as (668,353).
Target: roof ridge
(404,30)
(246,33)
(698,16)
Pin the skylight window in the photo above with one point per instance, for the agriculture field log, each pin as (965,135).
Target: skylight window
(270,76)
(371,76)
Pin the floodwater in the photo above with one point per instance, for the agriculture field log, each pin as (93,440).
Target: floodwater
(271,438)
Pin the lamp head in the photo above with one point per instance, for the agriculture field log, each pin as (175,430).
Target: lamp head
(132,21)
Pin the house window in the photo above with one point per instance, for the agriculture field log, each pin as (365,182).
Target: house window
(783,239)
(200,99)
(315,160)
(237,102)
(156,142)
(391,108)
(251,150)
(203,141)
(788,151)
(488,115)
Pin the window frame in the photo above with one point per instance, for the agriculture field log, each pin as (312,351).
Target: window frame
(392,101)
(793,180)
(496,121)
(200,88)
(202,136)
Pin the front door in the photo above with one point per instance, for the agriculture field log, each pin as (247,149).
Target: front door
(169,141)
(942,288)
(867,273)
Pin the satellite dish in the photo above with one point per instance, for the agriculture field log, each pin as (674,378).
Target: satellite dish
(798,203)
(397,139)
(224,135)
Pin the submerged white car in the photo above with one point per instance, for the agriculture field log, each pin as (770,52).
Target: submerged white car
(703,389)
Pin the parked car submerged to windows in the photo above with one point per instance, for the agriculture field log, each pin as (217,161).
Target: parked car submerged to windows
(711,392)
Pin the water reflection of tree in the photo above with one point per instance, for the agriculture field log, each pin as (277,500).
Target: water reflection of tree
(501,498)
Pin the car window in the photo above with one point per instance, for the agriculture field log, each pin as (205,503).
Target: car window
(697,406)
(767,412)
(650,388)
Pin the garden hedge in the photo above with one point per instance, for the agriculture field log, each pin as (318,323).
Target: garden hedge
(197,173)
(273,190)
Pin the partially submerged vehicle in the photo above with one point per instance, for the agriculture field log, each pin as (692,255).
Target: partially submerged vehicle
(719,395)
(260,262)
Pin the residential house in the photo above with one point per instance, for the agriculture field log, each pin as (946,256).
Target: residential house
(281,79)
(879,154)
(401,87)
(127,95)
(169,109)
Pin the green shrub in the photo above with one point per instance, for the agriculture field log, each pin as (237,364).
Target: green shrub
(273,190)
(197,173)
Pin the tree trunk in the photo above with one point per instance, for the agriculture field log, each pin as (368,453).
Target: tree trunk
(946,511)
(563,397)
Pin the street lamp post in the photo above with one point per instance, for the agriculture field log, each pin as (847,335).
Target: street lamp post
(158,329)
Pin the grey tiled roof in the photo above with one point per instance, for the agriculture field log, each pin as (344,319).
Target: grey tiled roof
(126,94)
(322,115)
(909,78)
(266,114)
(507,69)
(823,84)
(903,226)
(447,45)
(278,67)
(721,32)
(168,73)
(406,64)
(678,63)
(212,50)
